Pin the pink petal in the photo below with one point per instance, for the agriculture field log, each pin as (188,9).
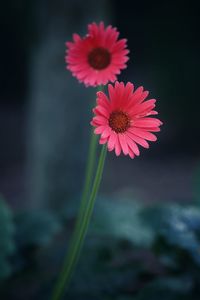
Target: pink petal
(143,134)
(111,92)
(118,148)
(130,152)
(153,112)
(138,140)
(147,122)
(106,133)
(143,107)
(129,88)
(76,37)
(132,145)
(102,141)
(137,94)
(112,141)
(153,129)
(123,143)
(102,100)
(100,120)
(99,129)
(143,96)
(100,110)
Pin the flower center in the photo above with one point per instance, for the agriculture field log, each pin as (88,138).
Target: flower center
(119,121)
(99,58)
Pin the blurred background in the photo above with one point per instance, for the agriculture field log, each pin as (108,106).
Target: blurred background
(144,239)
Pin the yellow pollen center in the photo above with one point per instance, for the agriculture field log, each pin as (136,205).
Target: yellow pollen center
(119,121)
(99,58)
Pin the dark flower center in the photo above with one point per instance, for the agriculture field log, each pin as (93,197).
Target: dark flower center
(119,121)
(99,58)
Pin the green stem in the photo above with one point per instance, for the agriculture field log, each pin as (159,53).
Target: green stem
(79,233)
(89,171)
(91,159)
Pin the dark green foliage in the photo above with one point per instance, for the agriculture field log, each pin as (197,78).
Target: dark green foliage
(6,239)
(121,219)
(140,253)
(36,228)
(178,226)
(168,288)
(132,251)
(34,234)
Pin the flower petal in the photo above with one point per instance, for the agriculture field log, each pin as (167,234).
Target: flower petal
(132,145)
(142,142)
(118,148)
(112,141)
(147,122)
(123,143)
(143,134)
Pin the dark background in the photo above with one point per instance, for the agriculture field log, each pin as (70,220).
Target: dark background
(45,113)
(164,57)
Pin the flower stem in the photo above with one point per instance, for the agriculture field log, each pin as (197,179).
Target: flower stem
(79,233)
(91,159)
(89,171)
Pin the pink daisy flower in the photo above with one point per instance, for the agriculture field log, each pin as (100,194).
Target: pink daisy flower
(123,119)
(98,57)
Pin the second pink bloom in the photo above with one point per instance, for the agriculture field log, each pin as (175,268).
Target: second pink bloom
(124,119)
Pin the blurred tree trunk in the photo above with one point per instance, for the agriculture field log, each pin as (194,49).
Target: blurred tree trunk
(59,116)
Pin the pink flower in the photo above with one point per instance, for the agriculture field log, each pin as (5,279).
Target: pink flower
(123,119)
(98,57)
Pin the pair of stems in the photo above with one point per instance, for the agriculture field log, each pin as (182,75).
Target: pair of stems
(84,216)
